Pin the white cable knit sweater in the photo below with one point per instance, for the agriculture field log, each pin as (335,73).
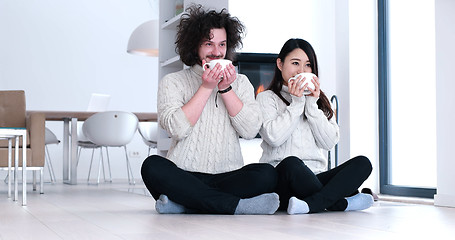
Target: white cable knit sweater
(300,129)
(212,144)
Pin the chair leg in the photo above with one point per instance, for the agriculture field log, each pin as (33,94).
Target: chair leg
(78,156)
(109,165)
(128,169)
(34,179)
(7,178)
(41,180)
(102,165)
(50,168)
(90,168)
(100,162)
(46,162)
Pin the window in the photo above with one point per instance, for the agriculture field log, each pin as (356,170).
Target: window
(407,100)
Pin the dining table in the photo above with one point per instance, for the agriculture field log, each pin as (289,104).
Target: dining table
(70,119)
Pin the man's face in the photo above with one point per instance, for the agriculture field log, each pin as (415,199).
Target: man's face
(214,48)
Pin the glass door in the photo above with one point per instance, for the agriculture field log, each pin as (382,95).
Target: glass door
(407,97)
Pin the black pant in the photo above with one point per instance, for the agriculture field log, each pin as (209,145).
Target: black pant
(203,192)
(326,190)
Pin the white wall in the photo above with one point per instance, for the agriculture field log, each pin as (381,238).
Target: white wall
(347,65)
(362,84)
(272,25)
(342,31)
(60,52)
(445,116)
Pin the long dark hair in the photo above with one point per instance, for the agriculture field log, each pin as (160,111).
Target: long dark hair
(195,26)
(277,83)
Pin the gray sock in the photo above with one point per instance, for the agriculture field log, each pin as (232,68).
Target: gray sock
(297,206)
(266,203)
(165,206)
(360,201)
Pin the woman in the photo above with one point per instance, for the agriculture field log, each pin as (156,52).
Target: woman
(295,131)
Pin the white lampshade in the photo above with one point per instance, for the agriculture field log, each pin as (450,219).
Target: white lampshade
(144,39)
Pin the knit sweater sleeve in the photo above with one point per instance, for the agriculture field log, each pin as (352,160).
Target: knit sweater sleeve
(325,132)
(278,125)
(248,121)
(171,116)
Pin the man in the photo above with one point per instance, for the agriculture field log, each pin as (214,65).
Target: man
(205,111)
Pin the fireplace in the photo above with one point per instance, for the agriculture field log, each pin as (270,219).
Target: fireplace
(258,67)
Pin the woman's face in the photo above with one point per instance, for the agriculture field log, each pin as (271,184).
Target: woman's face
(294,63)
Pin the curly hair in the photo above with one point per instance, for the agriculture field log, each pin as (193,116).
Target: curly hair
(195,26)
(277,81)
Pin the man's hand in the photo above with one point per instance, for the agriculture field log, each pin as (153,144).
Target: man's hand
(211,77)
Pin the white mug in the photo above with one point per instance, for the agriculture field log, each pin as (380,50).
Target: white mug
(308,77)
(222,62)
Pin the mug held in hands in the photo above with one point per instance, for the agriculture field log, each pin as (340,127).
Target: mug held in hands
(222,62)
(308,77)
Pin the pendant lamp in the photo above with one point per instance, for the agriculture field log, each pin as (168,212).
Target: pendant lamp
(144,39)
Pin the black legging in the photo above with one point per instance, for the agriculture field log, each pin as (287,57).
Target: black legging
(326,190)
(203,192)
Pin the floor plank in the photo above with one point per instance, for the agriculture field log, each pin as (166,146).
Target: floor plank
(121,211)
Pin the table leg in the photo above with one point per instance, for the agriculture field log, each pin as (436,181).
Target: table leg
(66,146)
(16,166)
(10,178)
(70,151)
(73,156)
(24,169)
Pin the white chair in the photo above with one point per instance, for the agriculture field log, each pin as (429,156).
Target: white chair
(111,129)
(98,103)
(84,142)
(149,134)
(50,138)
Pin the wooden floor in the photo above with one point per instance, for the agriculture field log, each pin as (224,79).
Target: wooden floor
(118,211)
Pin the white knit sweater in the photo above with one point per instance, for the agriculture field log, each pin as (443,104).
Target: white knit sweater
(300,129)
(212,144)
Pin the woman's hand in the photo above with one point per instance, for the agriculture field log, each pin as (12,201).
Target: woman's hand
(294,86)
(317,88)
(229,76)
(211,77)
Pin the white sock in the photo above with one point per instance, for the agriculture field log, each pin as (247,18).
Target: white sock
(297,206)
(266,203)
(360,201)
(165,206)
